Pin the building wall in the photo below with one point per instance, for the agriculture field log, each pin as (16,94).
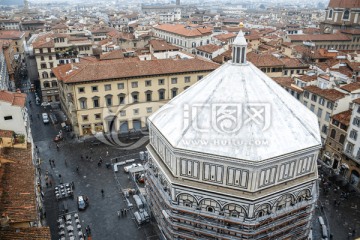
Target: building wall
(133,111)
(189,44)
(221,211)
(4,76)
(323,111)
(19,118)
(46,59)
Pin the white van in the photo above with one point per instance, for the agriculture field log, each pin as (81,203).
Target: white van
(45,118)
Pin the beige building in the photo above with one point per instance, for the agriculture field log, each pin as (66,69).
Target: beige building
(18,40)
(119,95)
(186,37)
(341,15)
(324,103)
(51,50)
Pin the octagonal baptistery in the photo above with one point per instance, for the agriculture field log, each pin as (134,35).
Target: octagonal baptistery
(233,157)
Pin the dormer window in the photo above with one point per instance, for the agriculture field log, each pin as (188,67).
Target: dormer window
(346,15)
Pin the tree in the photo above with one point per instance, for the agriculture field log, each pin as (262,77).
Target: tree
(262,6)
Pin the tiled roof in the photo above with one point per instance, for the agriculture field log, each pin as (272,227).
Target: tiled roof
(30,233)
(162,45)
(124,69)
(225,37)
(16,99)
(287,82)
(343,117)
(183,30)
(344,4)
(19,202)
(293,63)
(116,54)
(351,31)
(320,37)
(6,133)
(357,101)
(210,48)
(351,87)
(307,78)
(263,60)
(11,34)
(60,26)
(329,94)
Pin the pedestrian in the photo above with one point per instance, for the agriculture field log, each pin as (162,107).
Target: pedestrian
(102,192)
(47,184)
(38,115)
(125,211)
(99,164)
(50,162)
(89,229)
(57,147)
(77,169)
(81,156)
(87,157)
(53,162)
(50,183)
(122,212)
(107,153)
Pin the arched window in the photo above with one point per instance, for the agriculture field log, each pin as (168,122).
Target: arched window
(54,83)
(193,44)
(82,103)
(45,75)
(333,134)
(330,13)
(342,139)
(346,15)
(108,100)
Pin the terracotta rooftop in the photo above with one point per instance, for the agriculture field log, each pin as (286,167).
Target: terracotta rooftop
(116,69)
(343,117)
(6,133)
(14,98)
(293,63)
(351,87)
(19,201)
(357,101)
(351,31)
(307,78)
(263,60)
(116,54)
(162,45)
(287,82)
(11,34)
(183,30)
(210,48)
(60,26)
(225,37)
(344,4)
(319,37)
(30,233)
(329,94)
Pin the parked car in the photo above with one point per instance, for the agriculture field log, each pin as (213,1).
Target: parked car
(82,202)
(45,118)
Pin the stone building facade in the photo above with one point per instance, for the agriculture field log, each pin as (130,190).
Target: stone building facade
(211,177)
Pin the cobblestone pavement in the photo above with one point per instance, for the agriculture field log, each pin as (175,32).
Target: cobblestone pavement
(341,215)
(101,215)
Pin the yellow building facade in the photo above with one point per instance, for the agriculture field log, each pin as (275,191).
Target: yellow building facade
(121,102)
